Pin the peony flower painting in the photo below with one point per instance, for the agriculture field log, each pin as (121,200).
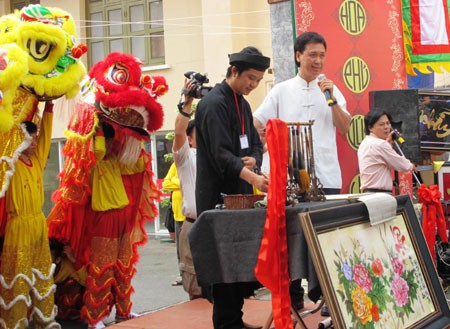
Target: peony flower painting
(376,275)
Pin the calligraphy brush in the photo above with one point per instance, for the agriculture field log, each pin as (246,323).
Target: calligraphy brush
(296,159)
(291,156)
(305,180)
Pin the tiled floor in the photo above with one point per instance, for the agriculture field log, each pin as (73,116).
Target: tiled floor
(196,314)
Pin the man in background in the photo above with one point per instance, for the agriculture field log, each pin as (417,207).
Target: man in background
(185,158)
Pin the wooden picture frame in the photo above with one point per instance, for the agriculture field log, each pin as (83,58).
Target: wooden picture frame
(443,181)
(375,276)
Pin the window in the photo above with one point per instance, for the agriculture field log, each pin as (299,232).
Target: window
(130,26)
(19,4)
(158,147)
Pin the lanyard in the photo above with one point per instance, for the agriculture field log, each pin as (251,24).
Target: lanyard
(240,116)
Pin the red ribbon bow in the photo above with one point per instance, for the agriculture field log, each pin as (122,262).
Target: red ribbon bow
(432,216)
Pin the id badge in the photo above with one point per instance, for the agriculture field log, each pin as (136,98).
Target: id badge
(244,141)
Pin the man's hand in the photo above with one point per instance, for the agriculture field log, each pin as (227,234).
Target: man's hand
(261,183)
(187,103)
(249,162)
(326,84)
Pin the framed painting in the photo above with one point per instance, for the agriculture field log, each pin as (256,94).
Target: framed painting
(378,276)
(444,181)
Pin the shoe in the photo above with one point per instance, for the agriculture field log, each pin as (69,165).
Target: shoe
(177,283)
(130,316)
(325,311)
(251,326)
(98,325)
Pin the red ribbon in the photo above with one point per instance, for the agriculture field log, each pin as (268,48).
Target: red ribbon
(272,268)
(432,216)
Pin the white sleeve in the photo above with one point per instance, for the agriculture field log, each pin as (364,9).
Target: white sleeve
(180,156)
(268,108)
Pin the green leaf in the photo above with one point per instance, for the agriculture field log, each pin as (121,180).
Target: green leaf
(170,136)
(168,157)
(165,203)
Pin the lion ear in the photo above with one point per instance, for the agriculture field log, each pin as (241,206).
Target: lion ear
(160,86)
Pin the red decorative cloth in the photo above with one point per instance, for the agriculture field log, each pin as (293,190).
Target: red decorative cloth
(432,216)
(272,266)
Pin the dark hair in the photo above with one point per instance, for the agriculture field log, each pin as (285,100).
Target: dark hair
(190,127)
(372,117)
(305,39)
(30,127)
(241,66)
(56,247)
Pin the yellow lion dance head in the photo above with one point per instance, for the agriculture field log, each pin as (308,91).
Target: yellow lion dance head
(44,42)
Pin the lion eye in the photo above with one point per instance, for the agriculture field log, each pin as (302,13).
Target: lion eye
(118,74)
(38,49)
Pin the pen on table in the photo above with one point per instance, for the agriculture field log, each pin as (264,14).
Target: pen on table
(325,323)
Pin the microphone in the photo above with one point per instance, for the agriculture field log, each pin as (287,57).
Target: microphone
(327,93)
(397,136)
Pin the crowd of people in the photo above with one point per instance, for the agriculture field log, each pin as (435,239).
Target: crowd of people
(225,143)
(230,144)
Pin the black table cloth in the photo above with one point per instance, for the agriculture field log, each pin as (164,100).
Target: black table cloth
(225,245)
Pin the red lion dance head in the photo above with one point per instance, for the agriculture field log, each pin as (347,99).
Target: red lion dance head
(126,97)
(118,93)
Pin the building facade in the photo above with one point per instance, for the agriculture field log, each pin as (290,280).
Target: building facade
(171,37)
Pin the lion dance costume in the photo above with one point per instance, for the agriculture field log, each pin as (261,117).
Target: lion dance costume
(38,62)
(107,189)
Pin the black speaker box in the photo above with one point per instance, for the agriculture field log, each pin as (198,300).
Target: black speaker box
(403,106)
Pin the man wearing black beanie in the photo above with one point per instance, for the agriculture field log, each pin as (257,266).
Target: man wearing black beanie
(228,151)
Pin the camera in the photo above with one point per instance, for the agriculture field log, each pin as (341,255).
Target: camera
(197,79)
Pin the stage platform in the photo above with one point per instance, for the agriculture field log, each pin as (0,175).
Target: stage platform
(197,314)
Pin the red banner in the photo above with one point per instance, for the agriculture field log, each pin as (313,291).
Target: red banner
(364,53)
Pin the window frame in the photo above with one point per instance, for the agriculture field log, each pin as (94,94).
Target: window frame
(103,7)
(15,4)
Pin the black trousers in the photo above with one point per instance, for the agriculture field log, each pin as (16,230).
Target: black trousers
(228,303)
